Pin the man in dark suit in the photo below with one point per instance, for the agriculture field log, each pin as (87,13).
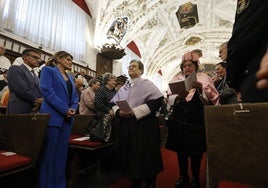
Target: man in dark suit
(25,95)
(226,94)
(246,48)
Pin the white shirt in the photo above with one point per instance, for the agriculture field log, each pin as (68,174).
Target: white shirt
(19,61)
(85,80)
(5,64)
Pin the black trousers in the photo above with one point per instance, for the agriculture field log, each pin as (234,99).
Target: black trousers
(195,161)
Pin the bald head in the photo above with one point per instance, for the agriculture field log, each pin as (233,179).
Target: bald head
(2,50)
(223,51)
(79,82)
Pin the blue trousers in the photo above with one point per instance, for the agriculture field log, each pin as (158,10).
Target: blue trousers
(54,157)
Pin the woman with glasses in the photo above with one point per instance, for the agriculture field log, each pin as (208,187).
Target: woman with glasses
(186,126)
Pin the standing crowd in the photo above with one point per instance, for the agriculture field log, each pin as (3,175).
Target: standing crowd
(241,76)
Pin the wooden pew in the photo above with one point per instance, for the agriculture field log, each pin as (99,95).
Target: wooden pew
(237,144)
(78,148)
(23,135)
(3,109)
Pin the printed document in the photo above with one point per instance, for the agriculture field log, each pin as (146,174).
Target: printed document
(179,87)
(81,138)
(189,81)
(124,106)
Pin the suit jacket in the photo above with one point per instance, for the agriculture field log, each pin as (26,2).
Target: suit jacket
(227,94)
(24,90)
(246,47)
(57,99)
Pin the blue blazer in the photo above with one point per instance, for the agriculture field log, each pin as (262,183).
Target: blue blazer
(24,90)
(57,100)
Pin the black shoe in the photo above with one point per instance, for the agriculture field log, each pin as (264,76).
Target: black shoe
(136,184)
(150,184)
(182,181)
(195,183)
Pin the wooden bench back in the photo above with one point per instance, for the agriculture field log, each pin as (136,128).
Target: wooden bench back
(81,123)
(23,133)
(237,143)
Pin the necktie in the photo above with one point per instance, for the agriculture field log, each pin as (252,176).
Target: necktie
(35,77)
(33,72)
(221,85)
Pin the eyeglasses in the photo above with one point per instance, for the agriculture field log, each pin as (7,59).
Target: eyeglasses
(132,66)
(35,57)
(187,65)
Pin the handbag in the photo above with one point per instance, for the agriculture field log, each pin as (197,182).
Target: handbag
(100,128)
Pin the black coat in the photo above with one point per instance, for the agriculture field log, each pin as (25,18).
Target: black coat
(246,47)
(186,127)
(138,145)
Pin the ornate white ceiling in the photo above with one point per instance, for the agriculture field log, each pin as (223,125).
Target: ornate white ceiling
(155,29)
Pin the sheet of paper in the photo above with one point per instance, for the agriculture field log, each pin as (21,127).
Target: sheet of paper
(124,106)
(8,153)
(82,138)
(171,100)
(189,81)
(177,87)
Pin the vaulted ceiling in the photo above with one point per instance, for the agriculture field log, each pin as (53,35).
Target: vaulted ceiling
(155,29)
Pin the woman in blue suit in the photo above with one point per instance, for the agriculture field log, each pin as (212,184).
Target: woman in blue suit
(61,101)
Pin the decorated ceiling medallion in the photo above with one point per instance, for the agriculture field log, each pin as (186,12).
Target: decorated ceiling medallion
(187,15)
(118,29)
(193,41)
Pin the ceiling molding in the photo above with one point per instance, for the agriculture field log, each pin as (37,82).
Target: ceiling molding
(154,27)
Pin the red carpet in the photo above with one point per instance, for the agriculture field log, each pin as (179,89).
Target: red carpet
(168,177)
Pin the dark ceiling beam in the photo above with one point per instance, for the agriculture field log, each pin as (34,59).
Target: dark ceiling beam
(82,4)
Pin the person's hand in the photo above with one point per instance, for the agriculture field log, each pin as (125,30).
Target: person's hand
(126,115)
(111,112)
(262,73)
(198,86)
(70,112)
(239,97)
(38,102)
(181,96)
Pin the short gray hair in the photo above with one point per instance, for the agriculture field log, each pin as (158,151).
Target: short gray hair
(107,77)
(93,81)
